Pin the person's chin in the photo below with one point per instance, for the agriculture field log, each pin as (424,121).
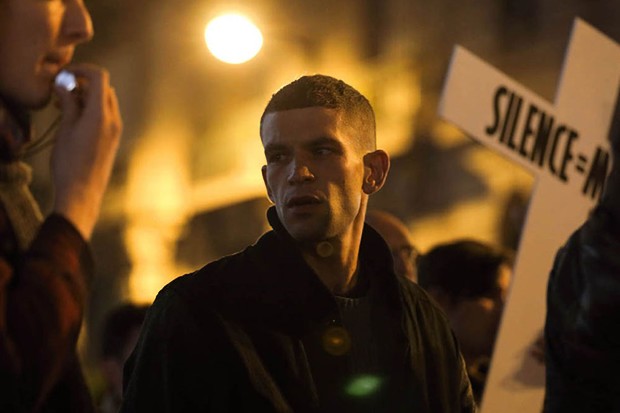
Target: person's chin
(303,231)
(39,95)
(34,96)
(35,100)
(41,99)
(301,234)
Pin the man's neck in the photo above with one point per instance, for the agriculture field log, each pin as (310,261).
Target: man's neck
(335,260)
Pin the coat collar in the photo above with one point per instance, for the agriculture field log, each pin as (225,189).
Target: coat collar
(270,285)
(373,249)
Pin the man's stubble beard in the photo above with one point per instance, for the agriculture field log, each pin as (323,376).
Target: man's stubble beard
(315,228)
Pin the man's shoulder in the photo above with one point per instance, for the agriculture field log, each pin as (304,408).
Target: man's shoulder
(199,294)
(418,300)
(413,291)
(216,273)
(226,275)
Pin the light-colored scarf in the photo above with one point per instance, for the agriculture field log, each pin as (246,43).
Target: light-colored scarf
(15,176)
(16,198)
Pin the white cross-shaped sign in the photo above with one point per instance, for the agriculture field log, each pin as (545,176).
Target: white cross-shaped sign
(565,146)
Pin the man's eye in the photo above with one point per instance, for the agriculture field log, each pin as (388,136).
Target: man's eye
(274,157)
(323,151)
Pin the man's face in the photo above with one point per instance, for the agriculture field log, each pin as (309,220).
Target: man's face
(475,321)
(396,236)
(112,367)
(37,38)
(404,255)
(314,172)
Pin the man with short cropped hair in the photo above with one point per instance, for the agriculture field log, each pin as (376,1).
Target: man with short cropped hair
(311,318)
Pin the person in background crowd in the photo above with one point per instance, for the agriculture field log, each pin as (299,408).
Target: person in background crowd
(121,329)
(397,236)
(45,263)
(470,281)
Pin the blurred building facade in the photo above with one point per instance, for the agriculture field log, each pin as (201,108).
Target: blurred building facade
(187,186)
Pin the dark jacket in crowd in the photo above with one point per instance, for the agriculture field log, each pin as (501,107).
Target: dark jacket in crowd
(42,297)
(582,332)
(247,333)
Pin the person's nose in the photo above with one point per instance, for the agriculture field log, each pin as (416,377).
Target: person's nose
(77,24)
(299,172)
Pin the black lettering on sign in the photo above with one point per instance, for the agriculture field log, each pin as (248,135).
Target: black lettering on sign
(508,132)
(597,175)
(581,163)
(568,153)
(490,130)
(533,134)
(542,138)
(554,144)
(528,132)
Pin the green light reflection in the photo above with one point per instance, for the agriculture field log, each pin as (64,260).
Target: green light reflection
(364,385)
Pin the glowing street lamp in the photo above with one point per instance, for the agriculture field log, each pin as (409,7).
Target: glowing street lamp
(233,38)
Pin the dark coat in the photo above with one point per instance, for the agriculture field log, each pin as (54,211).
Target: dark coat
(237,336)
(582,331)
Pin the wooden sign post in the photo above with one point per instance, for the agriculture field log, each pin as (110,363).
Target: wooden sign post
(565,146)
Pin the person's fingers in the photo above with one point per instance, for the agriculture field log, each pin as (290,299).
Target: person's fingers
(68,104)
(115,111)
(93,82)
(113,101)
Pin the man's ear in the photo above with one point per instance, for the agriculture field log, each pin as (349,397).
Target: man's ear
(376,167)
(264,172)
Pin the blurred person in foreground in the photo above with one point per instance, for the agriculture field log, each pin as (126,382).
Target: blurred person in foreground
(121,329)
(45,263)
(311,318)
(582,330)
(397,236)
(470,281)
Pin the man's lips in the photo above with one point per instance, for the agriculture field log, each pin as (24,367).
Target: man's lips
(53,62)
(303,200)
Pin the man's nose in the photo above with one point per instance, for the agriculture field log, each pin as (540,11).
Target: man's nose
(77,24)
(300,173)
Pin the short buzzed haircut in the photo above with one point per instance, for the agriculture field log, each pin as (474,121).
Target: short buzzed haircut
(327,92)
(463,269)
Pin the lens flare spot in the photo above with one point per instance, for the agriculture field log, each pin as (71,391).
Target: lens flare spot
(363,386)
